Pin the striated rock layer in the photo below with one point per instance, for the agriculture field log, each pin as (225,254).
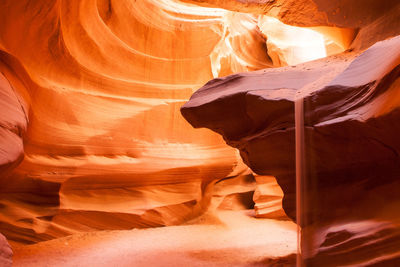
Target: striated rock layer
(268,198)
(91,136)
(90,92)
(351,124)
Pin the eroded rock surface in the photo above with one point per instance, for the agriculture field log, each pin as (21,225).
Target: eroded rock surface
(268,198)
(5,252)
(375,20)
(359,242)
(90,131)
(343,13)
(350,118)
(101,84)
(13,121)
(351,125)
(92,137)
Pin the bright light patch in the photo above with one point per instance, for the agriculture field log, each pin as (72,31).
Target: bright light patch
(289,45)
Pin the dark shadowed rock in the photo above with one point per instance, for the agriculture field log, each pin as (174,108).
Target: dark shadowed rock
(351,129)
(351,121)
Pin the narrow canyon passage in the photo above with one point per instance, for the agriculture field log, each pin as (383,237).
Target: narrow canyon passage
(162,132)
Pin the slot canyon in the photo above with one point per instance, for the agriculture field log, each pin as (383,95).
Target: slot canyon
(200,133)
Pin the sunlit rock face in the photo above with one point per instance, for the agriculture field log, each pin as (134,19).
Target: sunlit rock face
(234,193)
(376,20)
(268,198)
(289,45)
(92,136)
(90,92)
(342,13)
(90,98)
(351,124)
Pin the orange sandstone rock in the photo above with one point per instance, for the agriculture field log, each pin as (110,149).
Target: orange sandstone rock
(101,84)
(5,252)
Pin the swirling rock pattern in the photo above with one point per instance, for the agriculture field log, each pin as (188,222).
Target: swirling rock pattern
(13,123)
(90,93)
(90,98)
(92,137)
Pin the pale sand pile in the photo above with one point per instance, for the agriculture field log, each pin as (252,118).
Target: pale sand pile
(234,238)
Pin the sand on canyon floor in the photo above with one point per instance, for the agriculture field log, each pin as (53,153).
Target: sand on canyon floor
(229,238)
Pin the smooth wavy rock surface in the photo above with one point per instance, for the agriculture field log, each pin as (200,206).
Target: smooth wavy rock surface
(90,93)
(342,13)
(91,133)
(91,136)
(13,120)
(373,20)
(351,124)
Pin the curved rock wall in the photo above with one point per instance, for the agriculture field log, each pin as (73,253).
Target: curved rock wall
(92,89)
(13,124)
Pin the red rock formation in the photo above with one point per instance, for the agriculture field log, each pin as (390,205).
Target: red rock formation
(376,20)
(342,13)
(5,252)
(363,243)
(14,118)
(268,198)
(234,193)
(351,127)
(106,146)
(254,112)
(92,92)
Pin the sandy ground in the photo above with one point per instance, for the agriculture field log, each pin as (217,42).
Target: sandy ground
(233,238)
